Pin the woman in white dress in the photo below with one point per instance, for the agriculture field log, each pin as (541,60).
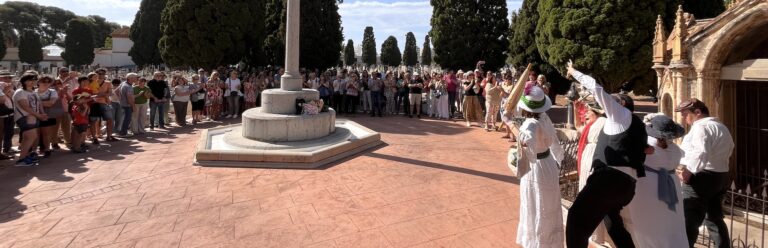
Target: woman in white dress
(655,217)
(541,219)
(594,117)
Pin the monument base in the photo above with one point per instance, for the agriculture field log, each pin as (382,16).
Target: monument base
(268,127)
(226,147)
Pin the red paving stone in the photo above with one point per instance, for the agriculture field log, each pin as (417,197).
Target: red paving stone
(433,184)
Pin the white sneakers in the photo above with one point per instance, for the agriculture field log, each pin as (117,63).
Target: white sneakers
(234,117)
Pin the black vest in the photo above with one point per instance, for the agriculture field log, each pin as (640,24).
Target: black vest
(623,149)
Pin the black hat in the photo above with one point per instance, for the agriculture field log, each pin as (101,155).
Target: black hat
(662,127)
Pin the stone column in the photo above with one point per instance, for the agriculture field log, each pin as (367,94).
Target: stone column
(291,79)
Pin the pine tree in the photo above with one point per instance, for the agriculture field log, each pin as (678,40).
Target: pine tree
(465,32)
(704,8)
(78,46)
(145,33)
(201,33)
(349,53)
(30,49)
(390,52)
(426,52)
(369,46)
(611,40)
(410,56)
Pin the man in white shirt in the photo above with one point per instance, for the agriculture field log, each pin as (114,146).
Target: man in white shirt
(618,162)
(708,147)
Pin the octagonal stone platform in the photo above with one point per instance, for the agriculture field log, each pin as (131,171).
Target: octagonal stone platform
(226,147)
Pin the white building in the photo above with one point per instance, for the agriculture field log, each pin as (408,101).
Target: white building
(118,55)
(51,58)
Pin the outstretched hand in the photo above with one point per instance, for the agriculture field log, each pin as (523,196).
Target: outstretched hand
(569,67)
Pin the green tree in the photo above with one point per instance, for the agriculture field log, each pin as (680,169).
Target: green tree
(274,39)
(369,47)
(55,20)
(349,53)
(465,32)
(704,8)
(410,56)
(426,52)
(2,46)
(201,33)
(390,52)
(611,40)
(321,34)
(145,33)
(30,49)
(78,45)
(101,29)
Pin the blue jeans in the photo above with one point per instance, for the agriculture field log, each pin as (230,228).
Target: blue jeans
(126,119)
(376,102)
(156,111)
(117,112)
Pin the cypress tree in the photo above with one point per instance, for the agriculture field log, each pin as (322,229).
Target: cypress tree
(611,40)
(465,32)
(2,46)
(349,53)
(145,33)
(321,34)
(390,52)
(274,39)
(410,56)
(205,34)
(704,8)
(426,52)
(78,46)
(30,49)
(369,46)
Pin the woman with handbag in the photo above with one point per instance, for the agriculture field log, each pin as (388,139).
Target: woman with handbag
(441,97)
(28,114)
(541,217)
(233,94)
(53,108)
(471,104)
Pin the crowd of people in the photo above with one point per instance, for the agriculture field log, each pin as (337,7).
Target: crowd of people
(78,110)
(627,167)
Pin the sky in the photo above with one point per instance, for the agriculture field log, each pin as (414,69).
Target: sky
(387,17)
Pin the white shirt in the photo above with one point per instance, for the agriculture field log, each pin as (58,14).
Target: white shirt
(619,118)
(707,146)
(234,86)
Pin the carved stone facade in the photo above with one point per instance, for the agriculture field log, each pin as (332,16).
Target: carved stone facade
(715,60)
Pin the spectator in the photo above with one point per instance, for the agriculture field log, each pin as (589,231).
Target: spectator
(79,112)
(415,86)
(141,94)
(198,99)
(492,102)
(117,110)
(233,94)
(6,112)
(181,93)
(49,99)
(127,102)
(28,114)
(64,85)
(707,149)
(157,87)
(102,111)
(471,104)
(375,87)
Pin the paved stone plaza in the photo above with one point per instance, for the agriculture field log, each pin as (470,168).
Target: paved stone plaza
(433,184)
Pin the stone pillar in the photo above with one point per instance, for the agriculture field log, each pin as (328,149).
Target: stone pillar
(291,79)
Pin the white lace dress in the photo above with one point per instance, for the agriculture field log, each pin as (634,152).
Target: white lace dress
(541,219)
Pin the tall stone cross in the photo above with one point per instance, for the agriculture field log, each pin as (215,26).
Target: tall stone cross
(291,79)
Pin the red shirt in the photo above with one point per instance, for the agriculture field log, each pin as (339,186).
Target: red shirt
(79,114)
(85,91)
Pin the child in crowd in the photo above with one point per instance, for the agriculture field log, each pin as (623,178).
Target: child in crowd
(79,113)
